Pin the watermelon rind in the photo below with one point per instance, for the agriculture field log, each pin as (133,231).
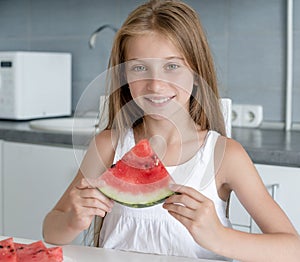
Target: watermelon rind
(136,201)
(135,195)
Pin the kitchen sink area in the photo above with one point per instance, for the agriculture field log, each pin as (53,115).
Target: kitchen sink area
(67,125)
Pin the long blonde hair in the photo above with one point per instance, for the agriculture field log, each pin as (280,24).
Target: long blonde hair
(180,24)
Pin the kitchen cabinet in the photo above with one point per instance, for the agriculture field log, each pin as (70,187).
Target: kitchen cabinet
(283,184)
(1,199)
(34,178)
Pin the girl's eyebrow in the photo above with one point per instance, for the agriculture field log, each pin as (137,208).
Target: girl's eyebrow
(165,58)
(174,57)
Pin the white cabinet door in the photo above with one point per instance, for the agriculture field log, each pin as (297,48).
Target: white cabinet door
(34,178)
(1,195)
(287,194)
(283,184)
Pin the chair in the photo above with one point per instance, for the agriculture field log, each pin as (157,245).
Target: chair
(226,107)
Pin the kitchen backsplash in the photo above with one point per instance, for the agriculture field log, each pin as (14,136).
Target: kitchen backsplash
(247,40)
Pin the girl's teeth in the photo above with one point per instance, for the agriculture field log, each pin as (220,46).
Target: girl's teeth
(159,101)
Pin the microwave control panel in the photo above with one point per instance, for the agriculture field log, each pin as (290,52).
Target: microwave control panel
(7,85)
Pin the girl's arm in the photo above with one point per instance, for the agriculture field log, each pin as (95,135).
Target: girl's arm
(279,241)
(77,207)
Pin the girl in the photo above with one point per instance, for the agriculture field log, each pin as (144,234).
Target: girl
(163,88)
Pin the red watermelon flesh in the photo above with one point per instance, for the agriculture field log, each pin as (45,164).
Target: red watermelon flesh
(33,252)
(55,253)
(37,251)
(138,179)
(141,156)
(29,252)
(7,250)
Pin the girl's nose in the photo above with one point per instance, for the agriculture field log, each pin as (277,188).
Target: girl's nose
(156,80)
(155,84)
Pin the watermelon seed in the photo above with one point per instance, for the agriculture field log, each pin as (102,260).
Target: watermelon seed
(156,160)
(1,246)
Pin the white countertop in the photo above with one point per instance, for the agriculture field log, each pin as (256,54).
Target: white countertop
(90,254)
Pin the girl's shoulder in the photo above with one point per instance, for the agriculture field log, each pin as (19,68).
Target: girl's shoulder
(235,161)
(107,136)
(227,148)
(226,151)
(104,144)
(234,149)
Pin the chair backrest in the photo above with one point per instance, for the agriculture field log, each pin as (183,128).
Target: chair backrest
(226,107)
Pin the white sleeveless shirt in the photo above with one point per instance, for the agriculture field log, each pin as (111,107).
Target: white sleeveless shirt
(153,229)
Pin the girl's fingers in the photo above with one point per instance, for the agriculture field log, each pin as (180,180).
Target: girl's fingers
(83,183)
(188,197)
(96,194)
(193,193)
(95,203)
(180,210)
(182,219)
(184,200)
(87,191)
(91,211)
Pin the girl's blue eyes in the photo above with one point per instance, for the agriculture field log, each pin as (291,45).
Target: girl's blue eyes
(172,66)
(142,68)
(139,68)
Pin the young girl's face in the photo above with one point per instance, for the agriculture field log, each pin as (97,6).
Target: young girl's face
(159,79)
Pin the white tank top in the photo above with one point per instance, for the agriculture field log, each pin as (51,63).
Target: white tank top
(153,229)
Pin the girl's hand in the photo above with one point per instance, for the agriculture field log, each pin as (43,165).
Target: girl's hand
(86,202)
(197,213)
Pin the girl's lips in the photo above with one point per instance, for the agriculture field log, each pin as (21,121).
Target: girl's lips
(159,100)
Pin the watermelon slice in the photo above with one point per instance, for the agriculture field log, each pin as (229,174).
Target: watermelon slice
(34,252)
(37,251)
(7,250)
(138,179)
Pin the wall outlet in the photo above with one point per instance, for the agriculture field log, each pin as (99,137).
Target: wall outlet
(246,115)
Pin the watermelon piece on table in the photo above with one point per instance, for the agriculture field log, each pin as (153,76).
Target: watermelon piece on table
(30,252)
(37,251)
(11,251)
(7,250)
(138,179)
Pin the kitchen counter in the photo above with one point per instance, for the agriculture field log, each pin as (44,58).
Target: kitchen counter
(91,254)
(20,131)
(272,147)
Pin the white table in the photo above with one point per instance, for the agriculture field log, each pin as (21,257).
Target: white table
(74,253)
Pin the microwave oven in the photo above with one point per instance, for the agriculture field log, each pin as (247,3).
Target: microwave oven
(34,85)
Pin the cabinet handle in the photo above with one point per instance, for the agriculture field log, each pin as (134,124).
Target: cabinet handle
(273,188)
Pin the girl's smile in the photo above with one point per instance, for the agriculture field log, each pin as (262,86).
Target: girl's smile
(159,100)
